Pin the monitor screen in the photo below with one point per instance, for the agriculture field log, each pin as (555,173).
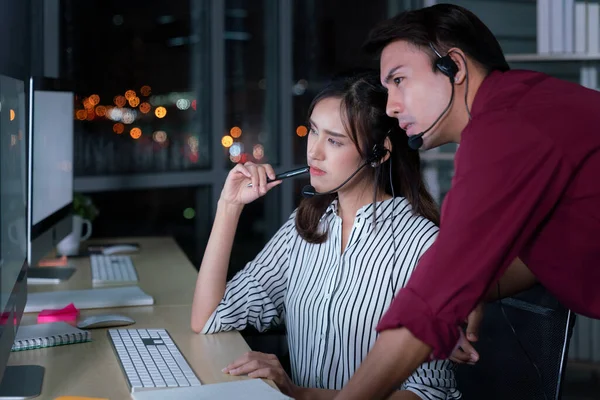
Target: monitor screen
(50,161)
(52,153)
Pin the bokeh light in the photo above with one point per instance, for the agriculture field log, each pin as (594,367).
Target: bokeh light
(160,112)
(87,103)
(235,149)
(145,90)
(145,107)
(94,99)
(120,101)
(159,136)
(183,104)
(134,101)
(258,152)
(128,116)
(101,111)
(118,128)
(135,133)
(235,132)
(227,141)
(130,94)
(301,131)
(189,213)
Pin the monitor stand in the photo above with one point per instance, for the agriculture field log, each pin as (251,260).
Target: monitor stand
(22,382)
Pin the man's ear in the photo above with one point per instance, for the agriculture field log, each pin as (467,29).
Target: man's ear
(460,60)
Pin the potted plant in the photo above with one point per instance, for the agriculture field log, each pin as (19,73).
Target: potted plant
(84,207)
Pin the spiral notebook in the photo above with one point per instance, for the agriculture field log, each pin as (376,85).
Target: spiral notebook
(48,335)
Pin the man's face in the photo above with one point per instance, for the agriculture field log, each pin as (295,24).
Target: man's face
(417,95)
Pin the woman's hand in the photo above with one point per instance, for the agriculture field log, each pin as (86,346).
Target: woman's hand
(261,365)
(236,190)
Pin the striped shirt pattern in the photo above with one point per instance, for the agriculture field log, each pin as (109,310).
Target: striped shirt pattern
(331,301)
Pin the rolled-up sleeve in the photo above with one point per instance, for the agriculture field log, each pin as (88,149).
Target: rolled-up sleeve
(508,179)
(255,295)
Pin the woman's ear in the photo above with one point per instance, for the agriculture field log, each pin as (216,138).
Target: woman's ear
(387,144)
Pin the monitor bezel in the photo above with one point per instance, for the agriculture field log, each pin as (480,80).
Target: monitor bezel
(15,306)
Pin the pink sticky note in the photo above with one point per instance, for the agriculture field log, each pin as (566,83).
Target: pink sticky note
(67,314)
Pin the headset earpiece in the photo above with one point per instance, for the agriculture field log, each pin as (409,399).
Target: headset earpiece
(445,64)
(379,151)
(448,67)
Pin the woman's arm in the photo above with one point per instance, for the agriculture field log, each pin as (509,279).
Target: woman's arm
(210,285)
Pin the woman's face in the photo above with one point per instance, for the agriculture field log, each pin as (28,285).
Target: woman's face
(331,153)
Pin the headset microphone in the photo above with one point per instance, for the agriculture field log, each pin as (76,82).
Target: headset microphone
(415,142)
(377,154)
(310,191)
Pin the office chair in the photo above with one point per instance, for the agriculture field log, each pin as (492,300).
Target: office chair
(504,371)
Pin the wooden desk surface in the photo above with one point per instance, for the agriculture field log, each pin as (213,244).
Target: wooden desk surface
(91,369)
(164,272)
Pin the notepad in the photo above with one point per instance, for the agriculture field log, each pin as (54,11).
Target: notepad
(248,389)
(48,335)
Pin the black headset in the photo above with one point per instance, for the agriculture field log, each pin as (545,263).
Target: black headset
(379,151)
(445,64)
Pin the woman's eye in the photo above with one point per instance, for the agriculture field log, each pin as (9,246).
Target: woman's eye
(312,131)
(397,81)
(334,142)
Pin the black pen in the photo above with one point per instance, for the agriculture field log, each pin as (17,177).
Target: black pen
(288,174)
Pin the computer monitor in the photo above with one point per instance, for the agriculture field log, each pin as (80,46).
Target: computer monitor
(50,165)
(13,237)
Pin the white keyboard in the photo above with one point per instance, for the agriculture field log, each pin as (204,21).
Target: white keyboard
(107,297)
(112,270)
(150,359)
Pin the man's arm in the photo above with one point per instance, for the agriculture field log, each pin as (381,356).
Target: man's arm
(393,358)
(508,179)
(516,279)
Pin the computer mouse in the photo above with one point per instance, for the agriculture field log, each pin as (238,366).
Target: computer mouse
(120,248)
(104,321)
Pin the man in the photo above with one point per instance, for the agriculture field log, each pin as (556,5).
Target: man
(526,184)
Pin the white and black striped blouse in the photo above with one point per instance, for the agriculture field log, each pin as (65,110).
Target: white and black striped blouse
(331,302)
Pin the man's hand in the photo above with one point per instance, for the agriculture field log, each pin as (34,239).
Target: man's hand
(261,365)
(464,351)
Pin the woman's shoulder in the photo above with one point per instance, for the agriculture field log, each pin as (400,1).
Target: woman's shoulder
(404,214)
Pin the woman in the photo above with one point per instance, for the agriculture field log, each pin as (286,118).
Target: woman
(333,268)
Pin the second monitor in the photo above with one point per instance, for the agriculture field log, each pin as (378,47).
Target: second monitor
(50,159)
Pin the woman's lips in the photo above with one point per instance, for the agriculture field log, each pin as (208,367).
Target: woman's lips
(316,171)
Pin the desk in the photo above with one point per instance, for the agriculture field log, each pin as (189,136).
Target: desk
(91,369)
(164,272)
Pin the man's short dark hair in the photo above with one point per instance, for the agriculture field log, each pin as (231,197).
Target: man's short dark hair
(444,26)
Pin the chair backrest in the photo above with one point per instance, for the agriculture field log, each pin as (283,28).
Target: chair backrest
(504,370)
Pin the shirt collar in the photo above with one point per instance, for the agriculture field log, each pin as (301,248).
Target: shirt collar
(382,209)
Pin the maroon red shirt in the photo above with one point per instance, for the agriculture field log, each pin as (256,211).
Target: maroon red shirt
(527,184)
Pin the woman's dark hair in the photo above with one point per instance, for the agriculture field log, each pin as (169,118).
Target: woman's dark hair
(444,26)
(363,105)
